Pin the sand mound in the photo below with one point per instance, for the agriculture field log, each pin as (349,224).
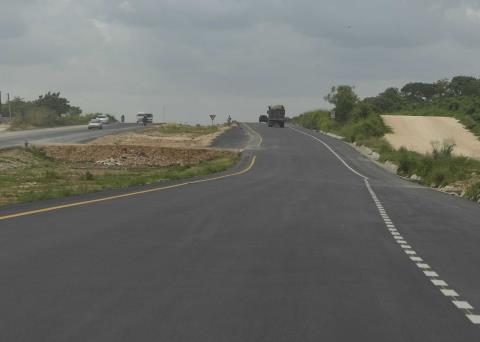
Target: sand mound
(418,133)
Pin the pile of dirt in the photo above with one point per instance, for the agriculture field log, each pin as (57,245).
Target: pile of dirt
(418,133)
(15,158)
(131,156)
(153,136)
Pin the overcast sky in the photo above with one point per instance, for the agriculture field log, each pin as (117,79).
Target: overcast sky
(198,57)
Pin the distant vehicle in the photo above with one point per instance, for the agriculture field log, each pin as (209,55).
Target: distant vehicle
(148,116)
(103,118)
(276,115)
(263,118)
(95,124)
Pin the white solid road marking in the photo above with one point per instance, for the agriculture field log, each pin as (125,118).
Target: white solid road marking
(333,152)
(432,275)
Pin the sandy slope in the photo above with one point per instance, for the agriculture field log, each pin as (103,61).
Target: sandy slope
(417,133)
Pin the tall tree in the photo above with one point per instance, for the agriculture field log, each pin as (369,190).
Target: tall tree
(464,86)
(419,90)
(59,105)
(344,99)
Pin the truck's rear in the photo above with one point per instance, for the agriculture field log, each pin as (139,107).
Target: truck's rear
(276,116)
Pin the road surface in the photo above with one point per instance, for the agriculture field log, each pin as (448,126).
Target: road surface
(301,247)
(60,135)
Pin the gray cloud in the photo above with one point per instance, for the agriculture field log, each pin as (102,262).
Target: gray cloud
(229,56)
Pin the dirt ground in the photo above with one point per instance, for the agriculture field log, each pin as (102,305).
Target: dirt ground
(130,156)
(418,133)
(154,137)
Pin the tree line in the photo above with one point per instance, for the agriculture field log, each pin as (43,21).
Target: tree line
(459,96)
(359,119)
(48,110)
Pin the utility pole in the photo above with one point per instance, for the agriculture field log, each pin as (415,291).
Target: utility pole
(164,115)
(9,106)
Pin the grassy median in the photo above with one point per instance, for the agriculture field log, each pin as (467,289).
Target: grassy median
(28,175)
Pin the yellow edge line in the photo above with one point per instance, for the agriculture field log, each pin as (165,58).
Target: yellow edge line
(260,142)
(131,194)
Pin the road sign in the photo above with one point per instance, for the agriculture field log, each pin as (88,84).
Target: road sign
(212,116)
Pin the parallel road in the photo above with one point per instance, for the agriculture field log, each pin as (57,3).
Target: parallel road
(312,243)
(60,135)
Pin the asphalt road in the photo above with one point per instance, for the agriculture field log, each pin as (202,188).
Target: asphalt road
(234,138)
(60,135)
(302,247)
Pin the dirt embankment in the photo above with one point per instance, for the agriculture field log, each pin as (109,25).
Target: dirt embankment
(131,156)
(158,136)
(419,133)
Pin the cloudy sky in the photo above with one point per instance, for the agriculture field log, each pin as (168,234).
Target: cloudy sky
(198,57)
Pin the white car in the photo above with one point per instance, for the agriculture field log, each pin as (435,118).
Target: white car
(103,118)
(95,123)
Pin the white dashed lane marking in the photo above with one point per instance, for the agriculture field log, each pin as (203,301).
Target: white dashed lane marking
(449,293)
(433,276)
(475,319)
(437,282)
(462,305)
(442,285)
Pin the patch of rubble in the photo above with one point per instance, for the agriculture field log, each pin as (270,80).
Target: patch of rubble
(134,156)
(154,137)
(109,162)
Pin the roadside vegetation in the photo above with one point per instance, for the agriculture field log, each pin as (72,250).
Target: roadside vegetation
(30,174)
(193,130)
(359,121)
(49,110)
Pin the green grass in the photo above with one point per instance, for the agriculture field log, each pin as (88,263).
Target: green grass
(473,192)
(437,169)
(43,178)
(353,130)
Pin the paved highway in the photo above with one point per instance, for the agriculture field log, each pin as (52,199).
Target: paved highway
(60,135)
(313,243)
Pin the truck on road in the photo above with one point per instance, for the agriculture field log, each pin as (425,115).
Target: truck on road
(276,115)
(144,118)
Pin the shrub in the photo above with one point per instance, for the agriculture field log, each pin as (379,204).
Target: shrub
(473,192)
(407,164)
(88,176)
(51,175)
(443,151)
